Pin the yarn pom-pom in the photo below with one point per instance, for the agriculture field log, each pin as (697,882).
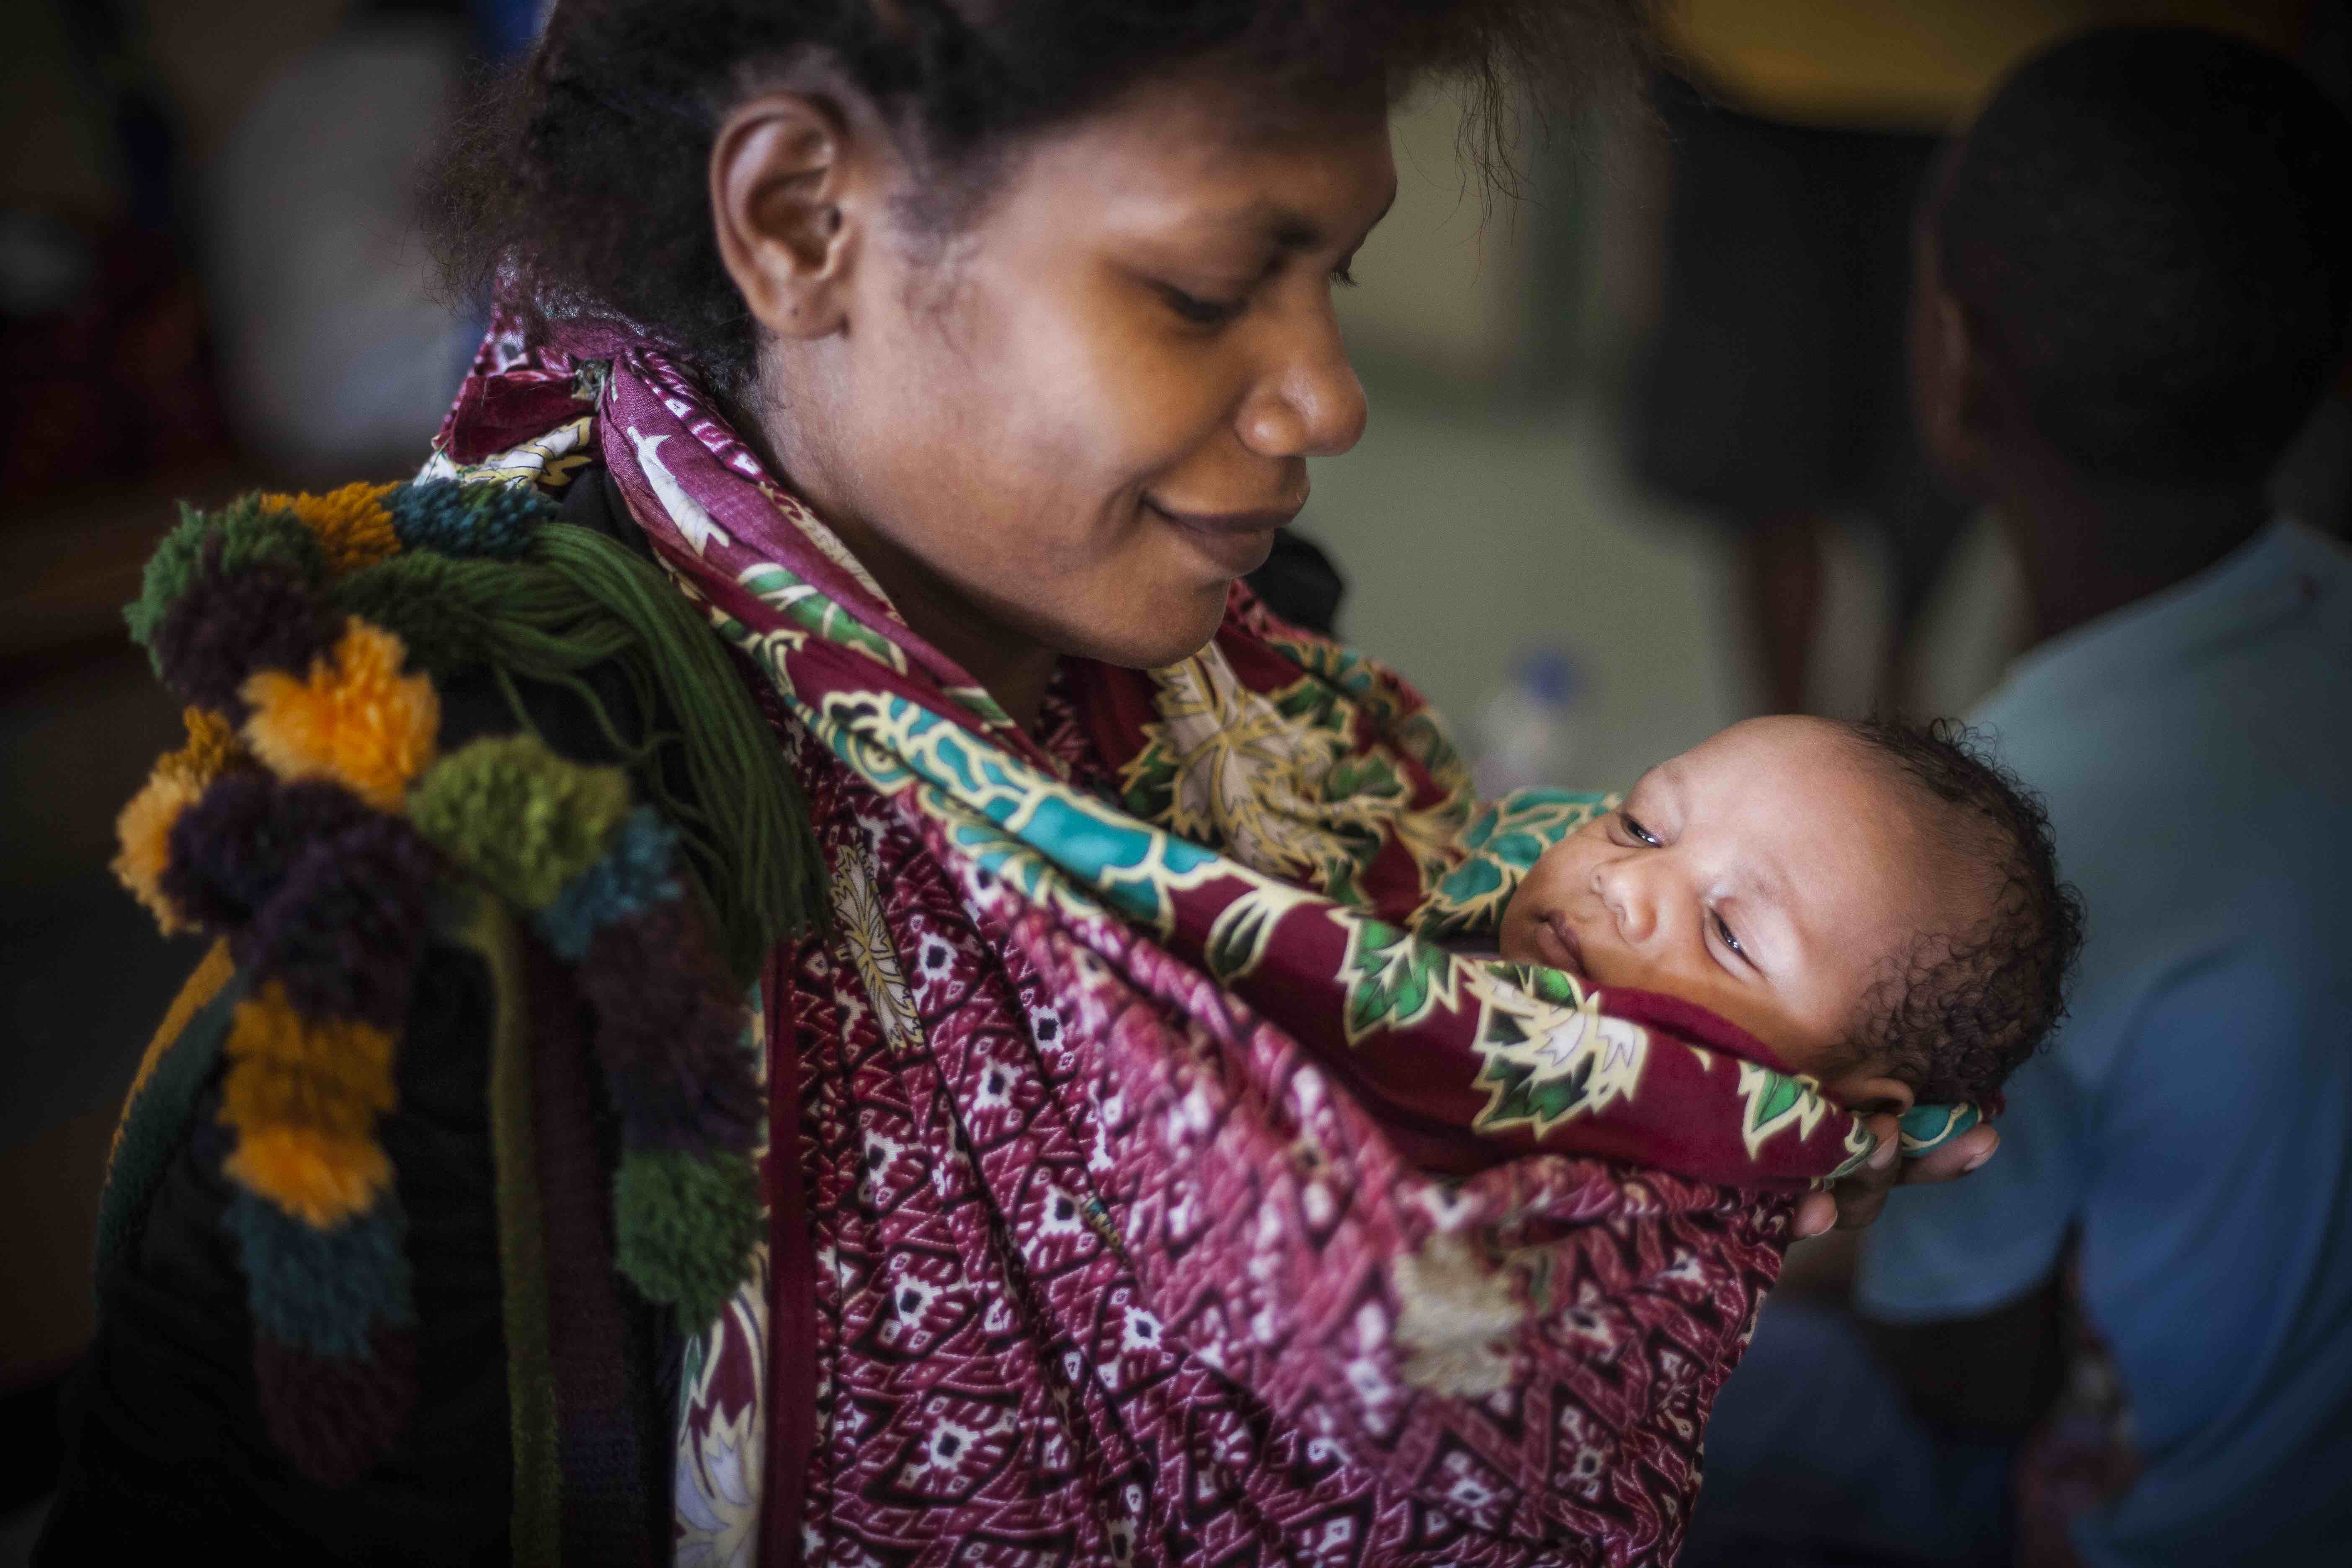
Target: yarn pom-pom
(230,539)
(210,750)
(670,1034)
(456,518)
(144,832)
(344,928)
(354,718)
(331,1075)
(682,1228)
(228,625)
(352,526)
(638,872)
(519,817)
(336,1417)
(323,1291)
(318,1177)
(230,850)
(442,609)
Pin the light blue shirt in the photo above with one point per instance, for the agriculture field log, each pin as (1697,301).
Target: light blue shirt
(2193,1121)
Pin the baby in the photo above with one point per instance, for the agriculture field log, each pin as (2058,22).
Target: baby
(1877,904)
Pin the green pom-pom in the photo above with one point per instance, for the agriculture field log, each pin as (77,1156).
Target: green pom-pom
(435,604)
(231,537)
(684,1226)
(522,819)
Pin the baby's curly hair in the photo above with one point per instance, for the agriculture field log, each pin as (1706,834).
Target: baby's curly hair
(1955,1013)
(582,175)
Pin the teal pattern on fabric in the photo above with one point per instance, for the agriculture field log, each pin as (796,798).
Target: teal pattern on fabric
(1930,1127)
(323,1290)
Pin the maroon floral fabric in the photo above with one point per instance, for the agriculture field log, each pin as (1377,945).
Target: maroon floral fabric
(1148,1182)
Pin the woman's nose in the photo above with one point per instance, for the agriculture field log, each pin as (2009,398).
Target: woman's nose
(1310,403)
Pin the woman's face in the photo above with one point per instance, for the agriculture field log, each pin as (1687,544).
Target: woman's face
(1069,426)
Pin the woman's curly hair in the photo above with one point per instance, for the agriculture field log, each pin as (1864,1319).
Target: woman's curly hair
(582,175)
(1955,1013)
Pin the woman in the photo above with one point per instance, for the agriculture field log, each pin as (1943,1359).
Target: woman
(1110,1070)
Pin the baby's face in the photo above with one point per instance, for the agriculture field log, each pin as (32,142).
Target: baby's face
(1766,874)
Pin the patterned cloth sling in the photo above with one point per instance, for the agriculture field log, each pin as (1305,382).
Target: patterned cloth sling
(1146,1180)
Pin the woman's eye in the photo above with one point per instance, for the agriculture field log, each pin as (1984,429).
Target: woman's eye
(1640,832)
(1730,939)
(1198,311)
(1344,275)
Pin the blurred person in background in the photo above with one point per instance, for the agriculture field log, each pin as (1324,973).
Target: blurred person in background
(2128,1340)
(339,349)
(1772,393)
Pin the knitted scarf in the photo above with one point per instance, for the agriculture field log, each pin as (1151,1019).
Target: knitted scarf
(1145,1179)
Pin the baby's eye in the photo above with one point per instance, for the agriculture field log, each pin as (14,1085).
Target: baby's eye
(1730,939)
(1633,825)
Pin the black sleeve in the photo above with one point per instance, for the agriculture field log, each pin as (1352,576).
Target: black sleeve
(168,1449)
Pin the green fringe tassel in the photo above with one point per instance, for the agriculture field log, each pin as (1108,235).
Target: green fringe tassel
(579,599)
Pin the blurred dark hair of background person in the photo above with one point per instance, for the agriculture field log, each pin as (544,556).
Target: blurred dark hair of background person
(1771,394)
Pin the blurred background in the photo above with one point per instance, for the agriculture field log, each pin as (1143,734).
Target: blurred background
(210,278)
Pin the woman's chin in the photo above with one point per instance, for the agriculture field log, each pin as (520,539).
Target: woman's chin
(1178,632)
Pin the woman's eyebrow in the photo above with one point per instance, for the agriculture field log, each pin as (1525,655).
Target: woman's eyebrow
(1290,229)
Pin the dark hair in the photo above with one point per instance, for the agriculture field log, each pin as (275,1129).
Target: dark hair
(2147,230)
(1956,1012)
(584,171)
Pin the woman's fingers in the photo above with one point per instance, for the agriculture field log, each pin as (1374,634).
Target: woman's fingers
(1856,1200)
(1957,1158)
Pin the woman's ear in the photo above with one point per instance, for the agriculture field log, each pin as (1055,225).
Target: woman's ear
(790,192)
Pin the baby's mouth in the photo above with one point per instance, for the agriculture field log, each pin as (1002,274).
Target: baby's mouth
(1557,940)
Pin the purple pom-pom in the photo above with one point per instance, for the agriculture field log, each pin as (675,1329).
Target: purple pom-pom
(232,848)
(669,1033)
(229,624)
(336,1417)
(345,928)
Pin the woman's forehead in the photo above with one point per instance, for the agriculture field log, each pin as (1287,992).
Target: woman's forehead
(1241,157)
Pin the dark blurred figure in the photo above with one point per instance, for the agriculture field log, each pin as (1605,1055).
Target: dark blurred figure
(102,336)
(1771,394)
(2129,1338)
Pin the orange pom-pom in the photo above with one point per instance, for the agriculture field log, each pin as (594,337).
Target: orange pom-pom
(212,748)
(331,1075)
(144,831)
(316,1177)
(355,719)
(352,524)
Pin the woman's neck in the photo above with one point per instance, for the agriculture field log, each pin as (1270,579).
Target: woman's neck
(1012,668)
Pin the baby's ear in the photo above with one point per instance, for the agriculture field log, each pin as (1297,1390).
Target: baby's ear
(1868,1092)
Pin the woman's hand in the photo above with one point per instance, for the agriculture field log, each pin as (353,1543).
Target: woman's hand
(1854,1202)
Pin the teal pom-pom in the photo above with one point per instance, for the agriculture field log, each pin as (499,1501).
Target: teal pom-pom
(324,1291)
(227,541)
(638,871)
(453,517)
(684,1226)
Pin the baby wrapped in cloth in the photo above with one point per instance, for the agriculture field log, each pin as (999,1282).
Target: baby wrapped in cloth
(1172,1192)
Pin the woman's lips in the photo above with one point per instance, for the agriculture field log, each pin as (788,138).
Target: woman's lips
(1237,541)
(1557,940)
